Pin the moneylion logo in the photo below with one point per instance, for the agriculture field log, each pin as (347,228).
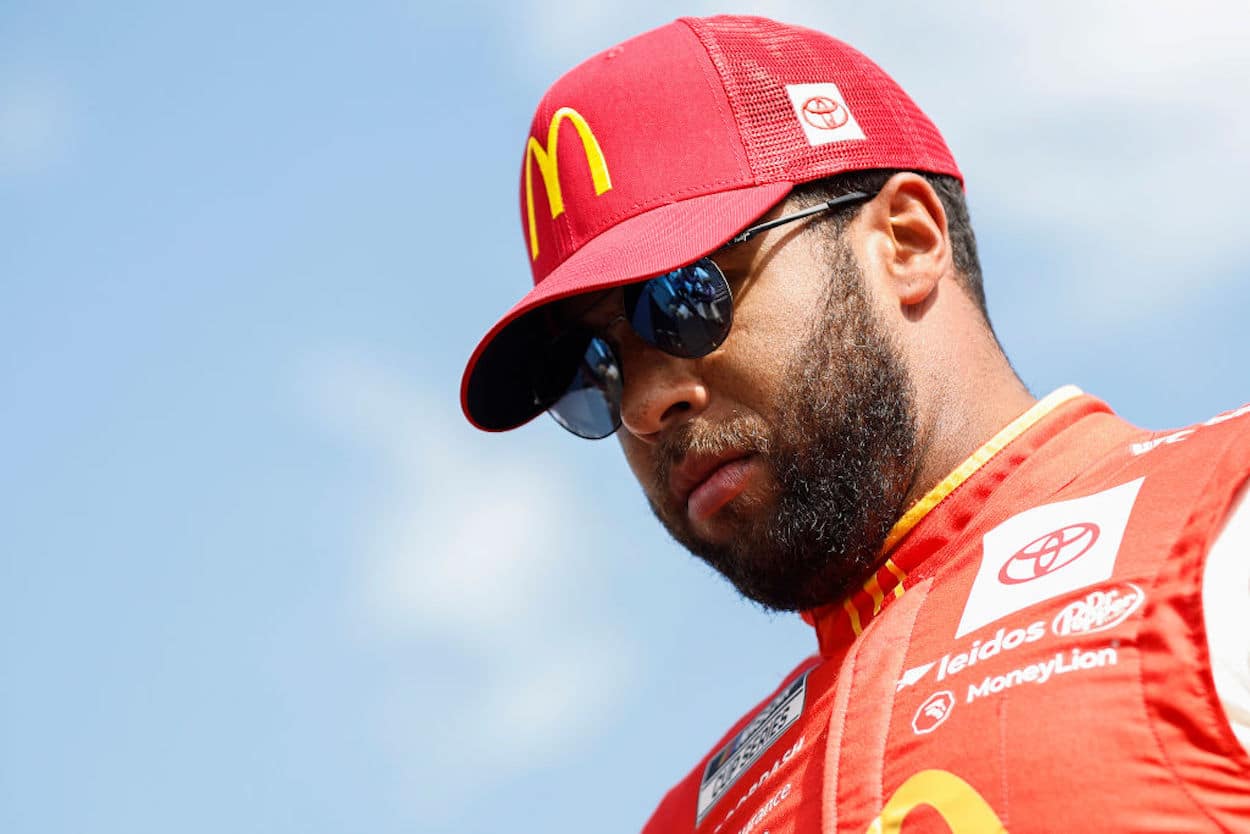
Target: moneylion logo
(1099,610)
(933,712)
(546,157)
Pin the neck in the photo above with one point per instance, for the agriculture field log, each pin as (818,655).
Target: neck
(962,402)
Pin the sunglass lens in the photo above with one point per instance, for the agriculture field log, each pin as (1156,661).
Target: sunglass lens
(687,312)
(590,406)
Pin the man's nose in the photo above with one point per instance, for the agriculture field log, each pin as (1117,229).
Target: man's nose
(660,390)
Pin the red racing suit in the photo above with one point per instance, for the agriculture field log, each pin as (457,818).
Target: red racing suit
(1030,656)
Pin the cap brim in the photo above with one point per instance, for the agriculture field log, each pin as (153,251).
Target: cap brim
(496,393)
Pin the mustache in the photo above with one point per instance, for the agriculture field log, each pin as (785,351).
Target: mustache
(742,433)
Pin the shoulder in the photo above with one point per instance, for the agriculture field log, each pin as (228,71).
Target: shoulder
(680,808)
(1190,460)
(1227,426)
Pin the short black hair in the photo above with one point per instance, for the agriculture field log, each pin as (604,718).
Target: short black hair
(949,191)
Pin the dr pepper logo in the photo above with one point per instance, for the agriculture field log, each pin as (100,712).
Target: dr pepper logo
(1048,553)
(1099,610)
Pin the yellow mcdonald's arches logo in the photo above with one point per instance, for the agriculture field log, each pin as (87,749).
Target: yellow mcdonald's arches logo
(964,810)
(546,159)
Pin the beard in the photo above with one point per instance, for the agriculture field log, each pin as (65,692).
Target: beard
(842,452)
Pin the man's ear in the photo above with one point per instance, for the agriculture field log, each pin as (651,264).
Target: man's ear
(906,237)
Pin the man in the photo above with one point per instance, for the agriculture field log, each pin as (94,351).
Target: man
(753,263)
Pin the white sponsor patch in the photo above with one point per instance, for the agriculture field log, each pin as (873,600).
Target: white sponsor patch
(763,779)
(732,760)
(823,114)
(1047,551)
(1100,610)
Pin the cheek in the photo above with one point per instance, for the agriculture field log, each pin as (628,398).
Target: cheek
(763,344)
(750,372)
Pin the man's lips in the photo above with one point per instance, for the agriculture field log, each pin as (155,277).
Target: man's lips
(704,484)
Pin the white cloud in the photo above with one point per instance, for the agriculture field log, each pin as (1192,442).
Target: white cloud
(35,123)
(580,676)
(1116,130)
(463,549)
(1108,129)
(472,563)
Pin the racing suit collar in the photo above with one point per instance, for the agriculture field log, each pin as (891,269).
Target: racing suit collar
(837,624)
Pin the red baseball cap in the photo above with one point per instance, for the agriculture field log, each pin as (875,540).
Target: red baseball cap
(656,152)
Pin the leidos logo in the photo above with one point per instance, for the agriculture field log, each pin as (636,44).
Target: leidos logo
(550,170)
(1099,610)
(1004,640)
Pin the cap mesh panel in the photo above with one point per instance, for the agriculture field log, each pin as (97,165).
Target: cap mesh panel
(757,58)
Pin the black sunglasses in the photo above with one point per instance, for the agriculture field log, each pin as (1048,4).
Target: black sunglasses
(687,313)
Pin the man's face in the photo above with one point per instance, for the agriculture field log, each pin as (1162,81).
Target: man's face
(783,458)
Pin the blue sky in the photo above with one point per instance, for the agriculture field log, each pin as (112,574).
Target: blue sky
(256,574)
